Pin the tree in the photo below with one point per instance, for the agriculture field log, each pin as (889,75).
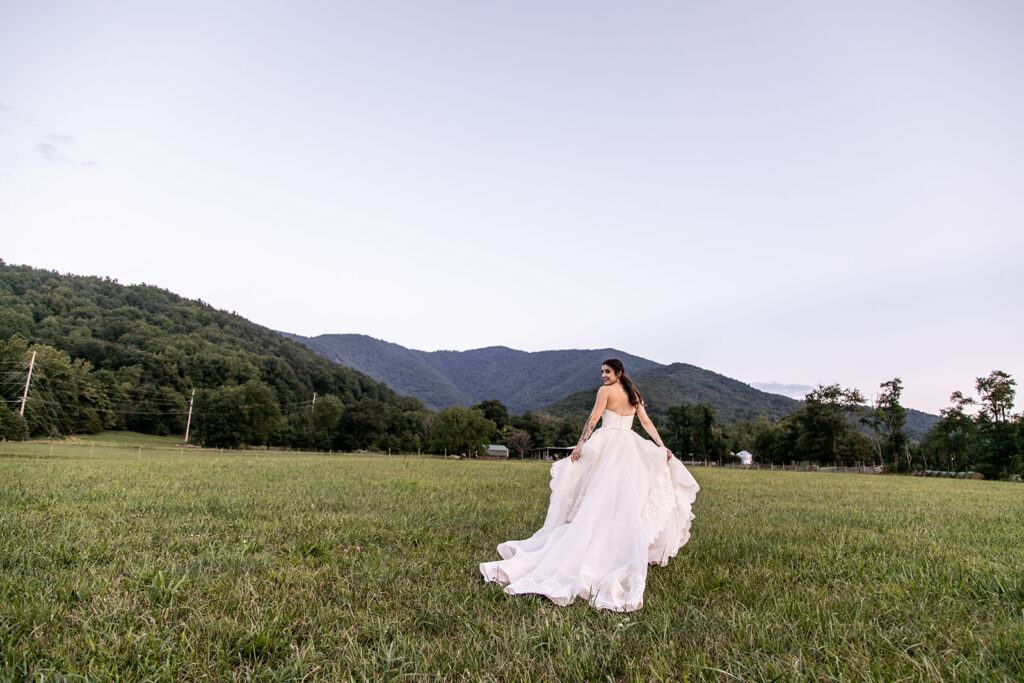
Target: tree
(12,426)
(998,444)
(494,410)
(529,423)
(826,434)
(951,441)
(996,393)
(363,424)
(546,430)
(232,416)
(519,441)
(261,411)
(742,434)
(132,355)
(63,398)
(775,443)
(316,427)
(460,430)
(560,431)
(694,432)
(888,419)
(997,449)
(990,442)
(156,410)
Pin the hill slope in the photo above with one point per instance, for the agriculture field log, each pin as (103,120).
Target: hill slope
(918,423)
(560,382)
(681,384)
(404,370)
(522,380)
(147,348)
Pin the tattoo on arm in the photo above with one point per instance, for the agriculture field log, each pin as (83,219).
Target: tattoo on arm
(588,429)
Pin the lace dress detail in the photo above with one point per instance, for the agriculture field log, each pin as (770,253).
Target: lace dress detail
(616,510)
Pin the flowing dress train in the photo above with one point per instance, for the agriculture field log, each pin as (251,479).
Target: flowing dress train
(613,512)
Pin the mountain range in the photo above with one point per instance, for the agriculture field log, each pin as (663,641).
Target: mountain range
(682,384)
(522,380)
(561,383)
(558,382)
(154,342)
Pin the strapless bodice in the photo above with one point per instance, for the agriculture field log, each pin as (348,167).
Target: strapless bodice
(612,420)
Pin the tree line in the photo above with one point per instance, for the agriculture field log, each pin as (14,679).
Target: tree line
(128,358)
(110,357)
(70,397)
(833,426)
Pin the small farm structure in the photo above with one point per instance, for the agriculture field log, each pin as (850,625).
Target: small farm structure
(496,451)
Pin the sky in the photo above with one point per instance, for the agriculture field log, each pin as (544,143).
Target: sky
(795,192)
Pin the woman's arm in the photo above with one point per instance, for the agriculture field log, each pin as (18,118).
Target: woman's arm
(652,430)
(588,428)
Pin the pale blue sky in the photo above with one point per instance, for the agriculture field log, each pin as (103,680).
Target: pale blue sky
(805,192)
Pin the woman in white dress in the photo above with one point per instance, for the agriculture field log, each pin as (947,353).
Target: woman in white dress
(618,503)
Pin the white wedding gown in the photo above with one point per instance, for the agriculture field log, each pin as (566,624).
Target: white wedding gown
(618,508)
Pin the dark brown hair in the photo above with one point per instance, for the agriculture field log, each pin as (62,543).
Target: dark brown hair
(619,369)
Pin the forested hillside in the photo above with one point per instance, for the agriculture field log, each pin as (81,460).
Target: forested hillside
(683,384)
(404,370)
(522,380)
(107,356)
(128,357)
(528,380)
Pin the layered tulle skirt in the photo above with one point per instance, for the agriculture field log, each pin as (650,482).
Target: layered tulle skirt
(613,512)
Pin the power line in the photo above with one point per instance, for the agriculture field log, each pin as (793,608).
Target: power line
(61,390)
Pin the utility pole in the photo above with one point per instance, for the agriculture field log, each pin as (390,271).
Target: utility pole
(188,422)
(24,396)
(314,398)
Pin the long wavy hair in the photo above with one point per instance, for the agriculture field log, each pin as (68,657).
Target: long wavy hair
(619,369)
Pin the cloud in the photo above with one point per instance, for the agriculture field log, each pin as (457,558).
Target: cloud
(55,155)
(54,147)
(49,151)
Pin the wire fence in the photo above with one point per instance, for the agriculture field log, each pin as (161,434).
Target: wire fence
(63,448)
(793,467)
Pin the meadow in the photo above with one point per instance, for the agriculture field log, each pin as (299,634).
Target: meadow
(145,564)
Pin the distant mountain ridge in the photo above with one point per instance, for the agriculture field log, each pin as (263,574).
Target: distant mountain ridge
(683,384)
(404,370)
(522,380)
(561,382)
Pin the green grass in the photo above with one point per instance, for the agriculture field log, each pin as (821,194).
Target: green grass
(126,439)
(287,567)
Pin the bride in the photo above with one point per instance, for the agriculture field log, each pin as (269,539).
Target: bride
(618,503)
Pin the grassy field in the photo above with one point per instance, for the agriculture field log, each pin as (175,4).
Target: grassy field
(128,564)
